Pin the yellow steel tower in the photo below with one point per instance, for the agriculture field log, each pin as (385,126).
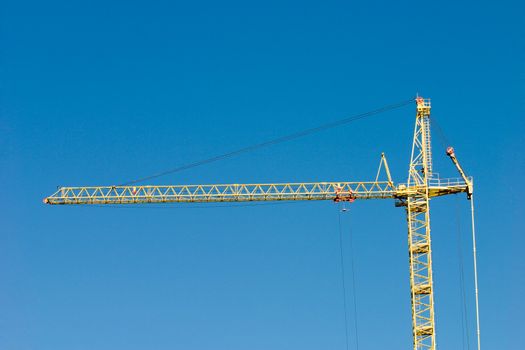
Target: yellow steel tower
(418,217)
(414,195)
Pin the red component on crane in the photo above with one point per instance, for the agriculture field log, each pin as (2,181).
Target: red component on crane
(344,196)
(450,151)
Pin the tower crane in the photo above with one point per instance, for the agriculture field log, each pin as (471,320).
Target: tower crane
(414,195)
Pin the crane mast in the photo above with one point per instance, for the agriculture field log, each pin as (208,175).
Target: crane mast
(418,218)
(414,195)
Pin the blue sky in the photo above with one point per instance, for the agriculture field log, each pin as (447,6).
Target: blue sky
(100,93)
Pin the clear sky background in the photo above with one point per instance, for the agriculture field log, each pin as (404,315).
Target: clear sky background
(101,92)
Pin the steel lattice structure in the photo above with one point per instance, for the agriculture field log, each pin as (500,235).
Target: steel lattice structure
(419,248)
(414,195)
(221,193)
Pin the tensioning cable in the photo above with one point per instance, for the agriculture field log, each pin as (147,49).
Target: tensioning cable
(275,141)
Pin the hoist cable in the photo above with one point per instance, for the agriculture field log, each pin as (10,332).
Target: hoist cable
(465,330)
(354,295)
(342,261)
(271,142)
(475,271)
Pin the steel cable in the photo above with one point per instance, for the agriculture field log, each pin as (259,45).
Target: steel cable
(271,142)
(463,298)
(342,261)
(354,295)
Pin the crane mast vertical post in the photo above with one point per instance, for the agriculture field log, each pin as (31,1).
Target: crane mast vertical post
(418,217)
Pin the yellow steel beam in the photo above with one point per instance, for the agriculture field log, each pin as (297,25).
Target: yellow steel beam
(468,181)
(339,191)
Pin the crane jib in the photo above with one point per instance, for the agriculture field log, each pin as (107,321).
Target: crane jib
(336,191)
(222,193)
